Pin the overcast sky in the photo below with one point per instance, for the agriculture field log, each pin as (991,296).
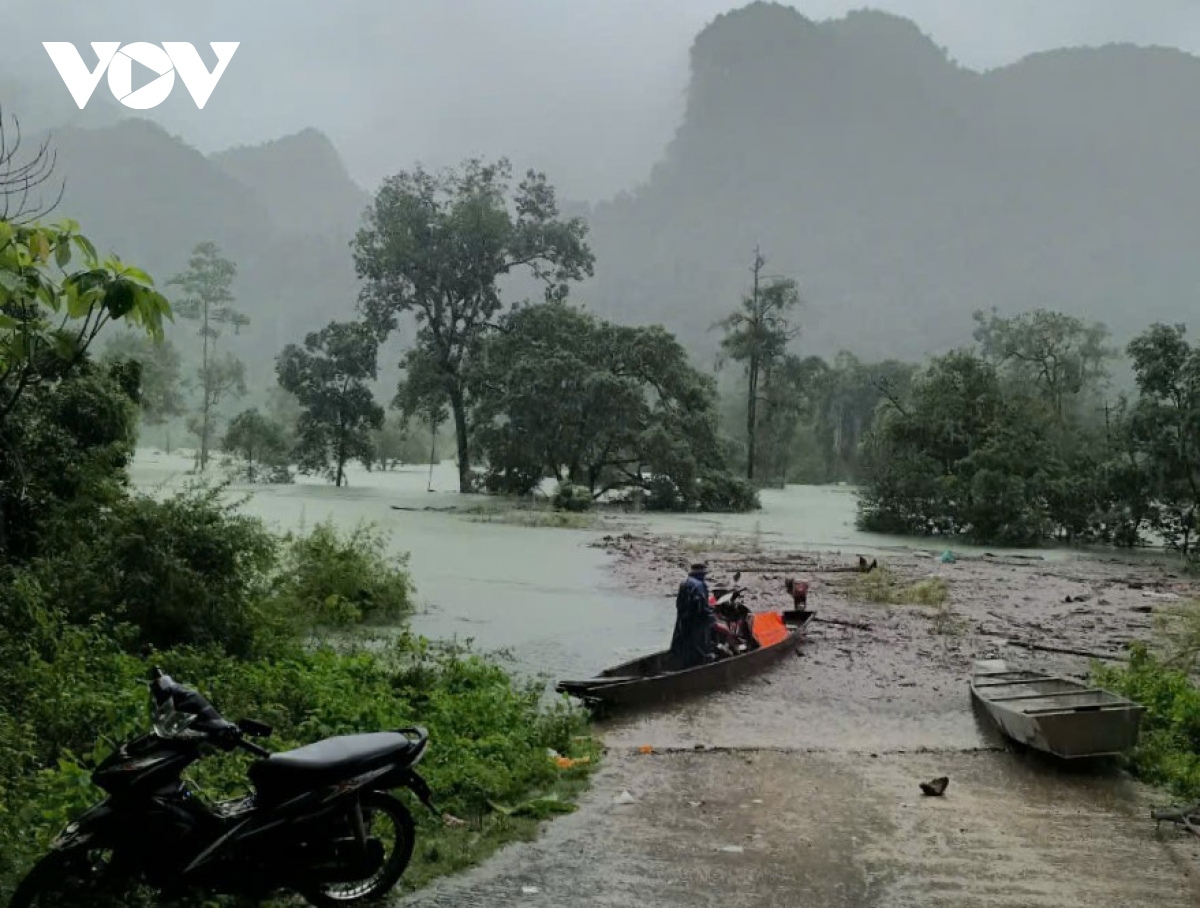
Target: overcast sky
(589,90)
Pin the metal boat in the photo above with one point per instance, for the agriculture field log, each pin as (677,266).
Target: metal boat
(1060,716)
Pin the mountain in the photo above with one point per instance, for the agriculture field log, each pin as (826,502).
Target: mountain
(904,191)
(283,212)
(299,178)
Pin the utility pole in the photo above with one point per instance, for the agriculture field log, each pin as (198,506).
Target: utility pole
(756,324)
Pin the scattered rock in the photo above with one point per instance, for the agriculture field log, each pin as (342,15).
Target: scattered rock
(529,890)
(732,849)
(625,798)
(936,788)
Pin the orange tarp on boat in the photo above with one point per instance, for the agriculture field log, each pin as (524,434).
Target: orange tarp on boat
(768,628)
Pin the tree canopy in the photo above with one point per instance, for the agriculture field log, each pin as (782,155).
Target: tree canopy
(560,393)
(329,376)
(436,245)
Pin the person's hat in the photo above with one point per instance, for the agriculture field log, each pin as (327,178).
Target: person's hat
(699,568)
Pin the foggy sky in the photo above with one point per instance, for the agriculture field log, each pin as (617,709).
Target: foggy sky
(589,90)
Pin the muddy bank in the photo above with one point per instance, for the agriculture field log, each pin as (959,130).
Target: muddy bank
(900,682)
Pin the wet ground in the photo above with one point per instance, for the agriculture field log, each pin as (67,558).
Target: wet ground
(805,791)
(839,830)
(801,787)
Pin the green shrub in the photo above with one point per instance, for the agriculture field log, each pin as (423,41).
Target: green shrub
(186,571)
(1168,750)
(329,580)
(720,492)
(574,498)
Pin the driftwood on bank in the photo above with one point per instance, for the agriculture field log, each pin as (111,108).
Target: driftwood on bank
(1046,648)
(841,622)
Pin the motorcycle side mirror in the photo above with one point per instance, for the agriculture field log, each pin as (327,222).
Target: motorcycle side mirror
(254,729)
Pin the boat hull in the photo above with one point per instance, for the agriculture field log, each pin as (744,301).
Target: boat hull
(648,680)
(1058,716)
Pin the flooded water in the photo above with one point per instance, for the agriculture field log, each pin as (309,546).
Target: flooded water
(541,594)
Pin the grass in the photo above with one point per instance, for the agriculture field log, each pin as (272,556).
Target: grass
(726,542)
(532,517)
(881,586)
(445,850)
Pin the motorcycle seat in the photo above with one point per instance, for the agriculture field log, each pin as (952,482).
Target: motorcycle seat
(328,762)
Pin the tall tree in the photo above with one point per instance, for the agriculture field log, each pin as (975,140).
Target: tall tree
(160,395)
(1166,427)
(208,300)
(329,376)
(1061,355)
(757,335)
(437,245)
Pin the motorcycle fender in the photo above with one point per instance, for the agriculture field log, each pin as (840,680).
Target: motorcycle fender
(91,826)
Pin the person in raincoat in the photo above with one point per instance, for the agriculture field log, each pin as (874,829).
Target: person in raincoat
(692,642)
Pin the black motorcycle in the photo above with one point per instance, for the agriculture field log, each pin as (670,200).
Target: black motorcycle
(320,822)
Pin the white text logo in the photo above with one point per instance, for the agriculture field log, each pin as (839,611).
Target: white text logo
(172,57)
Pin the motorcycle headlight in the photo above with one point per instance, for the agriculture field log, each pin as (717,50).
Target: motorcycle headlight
(170,723)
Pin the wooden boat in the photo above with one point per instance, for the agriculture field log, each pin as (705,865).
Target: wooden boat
(1057,715)
(650,679)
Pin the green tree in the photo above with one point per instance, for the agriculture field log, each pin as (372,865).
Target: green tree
(559,393)
(437,245)
(329,376)
(960,454)
(1165,427)
(757,336)
(208,299)
(258,441)
(49,316)
(160,396)
(1062,356)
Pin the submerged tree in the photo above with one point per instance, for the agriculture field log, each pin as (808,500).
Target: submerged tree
(757,335)
(260,443)
(208,300)
(329,376)
(437,245)
(559,393)
(1165,426)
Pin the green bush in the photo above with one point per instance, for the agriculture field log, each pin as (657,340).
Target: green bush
(188,570)
(720,492)
(328,580)
(1168,750)
(574,498)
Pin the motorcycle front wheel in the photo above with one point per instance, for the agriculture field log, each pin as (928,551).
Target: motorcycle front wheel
(388,820)
(76,879)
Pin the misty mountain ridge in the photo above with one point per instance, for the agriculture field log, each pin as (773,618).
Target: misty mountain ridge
(902,191)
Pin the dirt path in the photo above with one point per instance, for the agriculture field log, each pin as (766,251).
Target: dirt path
(801,787)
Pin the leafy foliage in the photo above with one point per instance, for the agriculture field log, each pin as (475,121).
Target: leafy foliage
(261,444)
(1168,749)
(436,246)
(97,584)
(559,393)
(329,376)
(159,396)
(336,581)
(1164,428)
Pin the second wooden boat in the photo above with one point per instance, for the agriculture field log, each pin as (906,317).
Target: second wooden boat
(650,679)
(1060,716)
